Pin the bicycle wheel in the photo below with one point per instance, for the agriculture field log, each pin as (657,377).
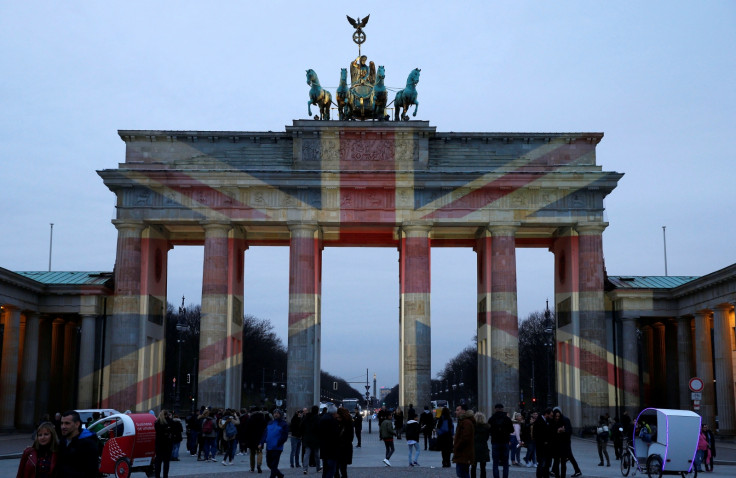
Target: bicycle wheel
(626,463)
(654,466)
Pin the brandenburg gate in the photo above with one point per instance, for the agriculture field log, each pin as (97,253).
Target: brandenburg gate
(333,183)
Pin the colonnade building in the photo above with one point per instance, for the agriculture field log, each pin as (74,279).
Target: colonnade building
(402,185)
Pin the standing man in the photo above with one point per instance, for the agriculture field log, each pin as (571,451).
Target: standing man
(541,430)
(426,424)
(463,450)
(256,427)
(358,425)
(328,431)
(501,430)
(274,437)
(77,456)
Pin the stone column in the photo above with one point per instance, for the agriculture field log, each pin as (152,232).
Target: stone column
(9,367)
(69,379)
(483,249)
(415,338)
(593,352)
(685,369)
(29,373)
(504,322)
(672,384)
(723,348)
(630,366)
(214,323)
(43,372)
(305,336)
(85,390)
(234,352)
(121,381)
(57,362)
(704,365)
(658,374)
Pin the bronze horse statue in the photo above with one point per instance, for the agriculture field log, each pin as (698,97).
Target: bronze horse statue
(407,97)
(380,95)
(342,95)
(318,97)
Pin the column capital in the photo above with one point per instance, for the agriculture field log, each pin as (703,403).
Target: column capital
(302,226)
(503,228)
(215,225)
(724,307)
(127,224)
(590,228)
(413,227)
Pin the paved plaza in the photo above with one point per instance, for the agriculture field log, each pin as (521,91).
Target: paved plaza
(367,462)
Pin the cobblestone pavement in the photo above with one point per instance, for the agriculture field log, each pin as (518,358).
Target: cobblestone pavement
(367,462)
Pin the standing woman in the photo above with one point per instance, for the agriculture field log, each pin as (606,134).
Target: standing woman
(164,442)
(515,442)
(445,431)
(39,460)
(399,422)
(482,453)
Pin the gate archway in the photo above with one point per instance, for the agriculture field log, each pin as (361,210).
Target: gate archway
(320,184)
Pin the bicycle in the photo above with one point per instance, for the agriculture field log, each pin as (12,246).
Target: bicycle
(629,460)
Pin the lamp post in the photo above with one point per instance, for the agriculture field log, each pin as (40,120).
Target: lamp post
(550,343)
(181,328)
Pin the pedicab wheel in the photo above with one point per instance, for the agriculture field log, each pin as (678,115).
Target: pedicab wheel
(654,466)
(122,468)
(625,464)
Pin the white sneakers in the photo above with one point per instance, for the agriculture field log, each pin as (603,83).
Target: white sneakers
(385,460)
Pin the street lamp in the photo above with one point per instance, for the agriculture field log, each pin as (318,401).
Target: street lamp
(181,327)
(550,343)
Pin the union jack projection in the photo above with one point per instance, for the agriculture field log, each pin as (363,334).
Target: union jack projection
(319,184)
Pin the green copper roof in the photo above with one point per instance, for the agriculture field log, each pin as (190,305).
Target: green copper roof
(649,282)
(68,278)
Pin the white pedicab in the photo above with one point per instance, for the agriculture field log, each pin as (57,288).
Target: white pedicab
(671,444)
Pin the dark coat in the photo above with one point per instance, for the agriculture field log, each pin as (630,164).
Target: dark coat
(501,428)
(412,430)
(255,427)
(561,433)
(345,441)
(426,422)
(78,458)
(541,430)
(164,438)
(482,434)
(463,450)
(295,426)
(310,438)
(328,432)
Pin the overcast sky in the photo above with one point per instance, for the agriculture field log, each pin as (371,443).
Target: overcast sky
(658,78)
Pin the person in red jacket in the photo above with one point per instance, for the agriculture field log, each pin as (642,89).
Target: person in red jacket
(39,460)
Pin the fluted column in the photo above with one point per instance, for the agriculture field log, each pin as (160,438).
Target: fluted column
(121,381)
(9,367)
(685,370)
(70,364)
(305,336)
(483,250)
(57,362)
(415,338)
(593,352)
(704,365)
(723,348)
(29,370)
(504,322)
(43,382)
(630,365)
(658,373)
(85,390)
(671,385)
(213,325)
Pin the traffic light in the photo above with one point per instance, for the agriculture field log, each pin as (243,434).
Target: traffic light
(189,378)
(534,400)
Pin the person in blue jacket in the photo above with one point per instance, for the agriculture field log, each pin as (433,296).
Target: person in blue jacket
(274,437)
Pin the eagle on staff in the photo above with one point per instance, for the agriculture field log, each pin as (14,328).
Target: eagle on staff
(358,35)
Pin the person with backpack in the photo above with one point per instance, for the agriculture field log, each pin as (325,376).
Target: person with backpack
(209,436)
(445,432)
(229,426)
(501,430)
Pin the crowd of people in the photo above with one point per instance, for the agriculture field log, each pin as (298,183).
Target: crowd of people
(323,439)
